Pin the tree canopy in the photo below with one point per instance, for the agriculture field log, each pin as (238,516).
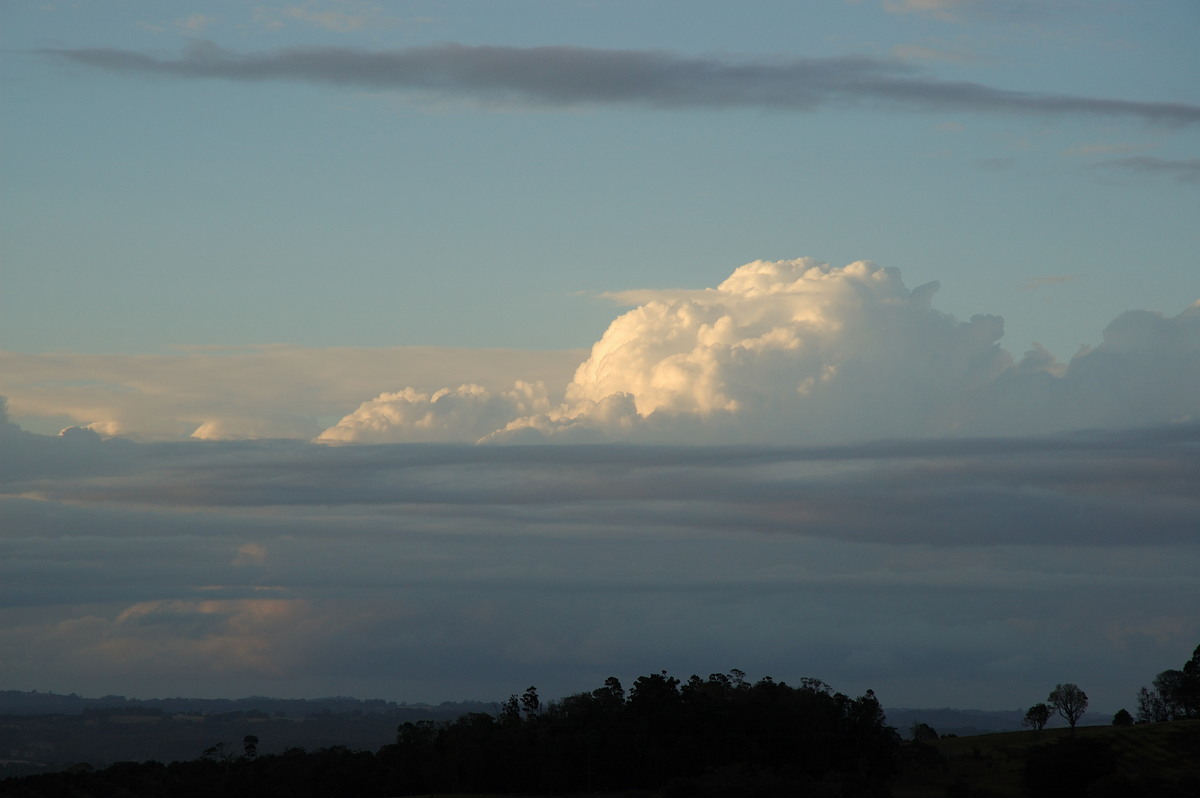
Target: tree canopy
(1069,701)
(1173,694)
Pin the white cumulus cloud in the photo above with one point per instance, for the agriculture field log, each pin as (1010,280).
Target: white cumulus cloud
(465,413)
(797,351)
(1145,371)
(786,350)
(247,392)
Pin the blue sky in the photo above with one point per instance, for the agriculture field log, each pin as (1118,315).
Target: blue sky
(144,211)
(408,231)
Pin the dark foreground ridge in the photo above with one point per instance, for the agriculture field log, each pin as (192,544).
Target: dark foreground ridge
(702,737)
(720,736)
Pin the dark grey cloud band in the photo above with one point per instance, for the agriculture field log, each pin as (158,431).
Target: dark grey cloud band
(561,76)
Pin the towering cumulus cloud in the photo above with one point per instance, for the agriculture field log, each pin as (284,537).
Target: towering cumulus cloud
(800,352)
(780,351)
(792,351)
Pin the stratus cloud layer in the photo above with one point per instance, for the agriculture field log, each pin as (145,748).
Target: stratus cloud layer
(559,76)
(972,572)
(801,352)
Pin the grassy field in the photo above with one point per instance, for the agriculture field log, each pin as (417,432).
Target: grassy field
(1161,759)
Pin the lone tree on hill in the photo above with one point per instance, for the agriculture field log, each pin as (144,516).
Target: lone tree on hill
(1070,701)
(1037,716)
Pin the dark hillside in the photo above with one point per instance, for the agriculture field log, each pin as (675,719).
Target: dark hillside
(1156,759)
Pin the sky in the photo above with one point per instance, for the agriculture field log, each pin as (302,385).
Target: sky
(426,350)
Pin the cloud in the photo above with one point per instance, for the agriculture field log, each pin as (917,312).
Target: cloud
(73,450)
(329,20)
(1107,148)
(196,23)
(557,76)
(786,350)
(338,17)
(250,554)
(438,572)
(1146,370)
(246,392)
(465,414)
(800,352)
(964,10)
(1184,170)
(938,8)
(234,428)
(197,639)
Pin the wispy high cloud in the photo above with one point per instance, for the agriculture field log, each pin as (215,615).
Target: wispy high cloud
(329,20)
(563,76)
(962,10)
(940,9)
(1185,170)
(196,23)
(338,17)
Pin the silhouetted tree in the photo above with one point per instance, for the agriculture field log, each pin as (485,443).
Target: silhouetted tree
(653,692)
(1070,702)
(249,746)
(1169,686)
(1164,699)
(923,732)
(530,702)
(613,685)
(1122,718)
(1037,716)
(1189,689)
(1173,694)
(510,710)
(1150,707)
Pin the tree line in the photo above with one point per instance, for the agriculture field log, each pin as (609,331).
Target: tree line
(686,738)
(1174,695)
(719,735)
(715,736)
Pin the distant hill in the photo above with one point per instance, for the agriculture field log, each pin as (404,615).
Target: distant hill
(18,702)
(42,732)
(45,732)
